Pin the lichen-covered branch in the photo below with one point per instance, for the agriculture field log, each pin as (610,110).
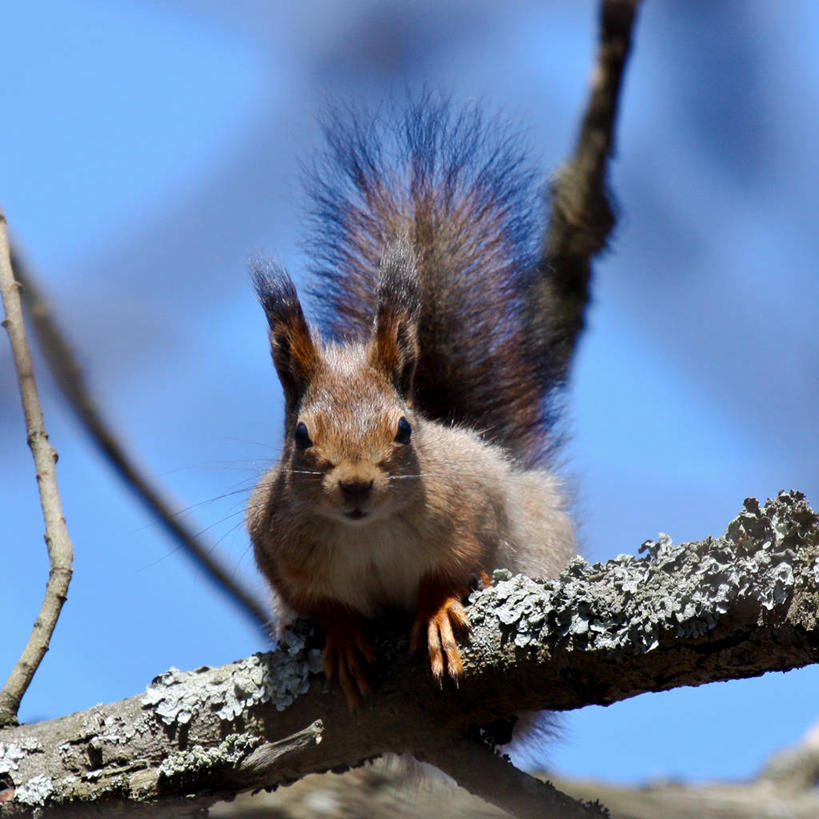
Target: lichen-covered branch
(60,550)
(723,608)
(727,607)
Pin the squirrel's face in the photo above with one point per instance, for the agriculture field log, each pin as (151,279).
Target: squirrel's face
(350,453)
(352,450)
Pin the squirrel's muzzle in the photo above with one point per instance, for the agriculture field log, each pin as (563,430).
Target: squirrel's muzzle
(356,493)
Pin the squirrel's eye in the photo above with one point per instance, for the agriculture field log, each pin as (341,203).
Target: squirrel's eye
(404,431)
(302,436)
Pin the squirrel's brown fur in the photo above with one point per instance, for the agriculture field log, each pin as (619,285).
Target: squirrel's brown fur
(407,472)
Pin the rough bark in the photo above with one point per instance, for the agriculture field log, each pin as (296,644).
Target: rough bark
(723,608)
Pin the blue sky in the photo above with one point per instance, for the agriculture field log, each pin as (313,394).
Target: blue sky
(151,148)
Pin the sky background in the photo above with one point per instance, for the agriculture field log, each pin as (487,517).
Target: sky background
(150,148)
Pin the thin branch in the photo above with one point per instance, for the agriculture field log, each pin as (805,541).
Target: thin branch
(69,377)
(60,552)
(581,217)
(723,608)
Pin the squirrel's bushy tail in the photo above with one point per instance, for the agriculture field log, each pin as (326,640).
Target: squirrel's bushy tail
(458,187)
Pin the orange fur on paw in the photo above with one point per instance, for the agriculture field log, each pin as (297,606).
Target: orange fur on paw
(345,646)
(437,625)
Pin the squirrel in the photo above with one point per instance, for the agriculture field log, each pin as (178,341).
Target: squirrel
(417,430)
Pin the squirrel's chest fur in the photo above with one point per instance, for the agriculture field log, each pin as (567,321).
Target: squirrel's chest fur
(374,567)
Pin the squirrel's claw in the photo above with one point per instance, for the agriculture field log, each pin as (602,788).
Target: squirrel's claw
(440,638)
(344,648)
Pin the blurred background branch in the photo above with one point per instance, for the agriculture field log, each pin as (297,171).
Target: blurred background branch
(69,378)
(581,215)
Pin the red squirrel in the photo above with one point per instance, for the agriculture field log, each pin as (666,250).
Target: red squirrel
(417,429)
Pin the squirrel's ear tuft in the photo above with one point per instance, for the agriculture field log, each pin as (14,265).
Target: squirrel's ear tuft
(294,352)
(394,348)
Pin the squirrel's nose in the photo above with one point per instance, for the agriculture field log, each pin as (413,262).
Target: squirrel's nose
(355,492)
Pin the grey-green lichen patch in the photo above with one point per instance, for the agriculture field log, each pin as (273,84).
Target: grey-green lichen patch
(517,601)
(12,753)
(117,730)
(276,678)
(35,791)
(193,762)
(628,603)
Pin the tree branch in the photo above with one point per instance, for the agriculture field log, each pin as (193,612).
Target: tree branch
(476,768)
(69,377)
(723,608)
(581,217)
(60,552)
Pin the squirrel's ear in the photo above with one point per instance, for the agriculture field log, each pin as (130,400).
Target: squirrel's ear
(394,348)
(291,344)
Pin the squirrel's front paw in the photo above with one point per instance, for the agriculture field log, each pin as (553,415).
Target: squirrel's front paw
(345,646)
(437,626)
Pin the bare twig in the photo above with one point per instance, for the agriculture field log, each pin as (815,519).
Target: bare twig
(69,378)
(581,216)
(60,552)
